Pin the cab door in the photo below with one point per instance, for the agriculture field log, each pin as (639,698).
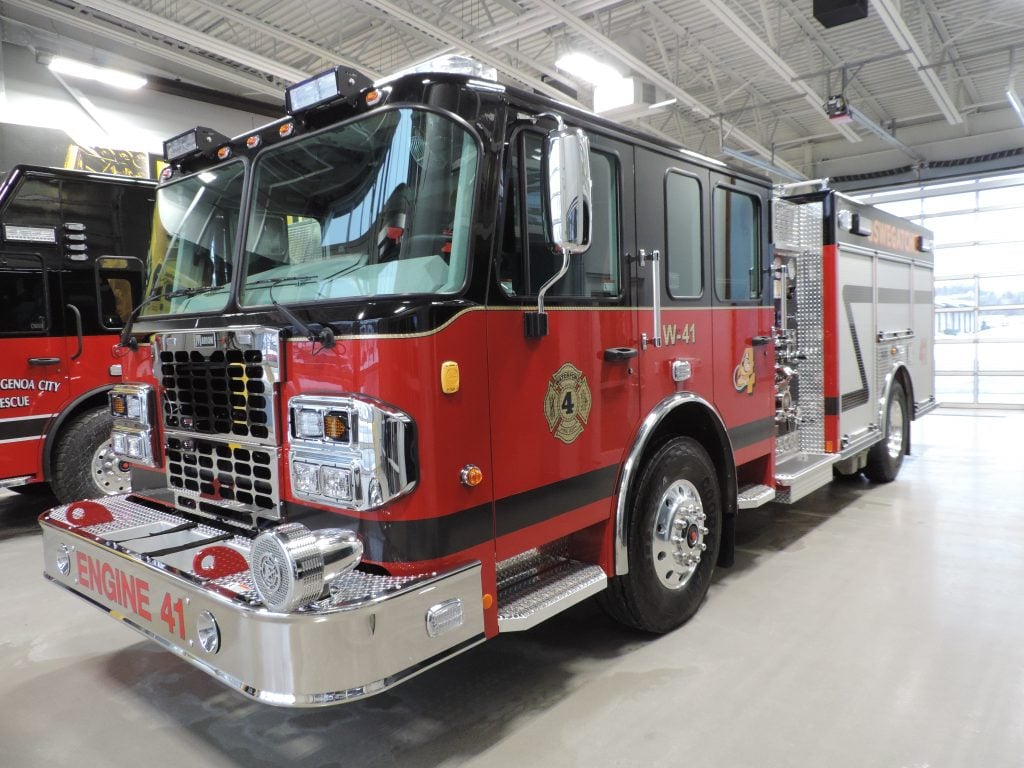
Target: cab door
(34,373)
(564,405)
(744,357)
(674,301)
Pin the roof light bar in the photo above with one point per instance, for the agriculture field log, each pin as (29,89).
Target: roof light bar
(196,141)
(332,85)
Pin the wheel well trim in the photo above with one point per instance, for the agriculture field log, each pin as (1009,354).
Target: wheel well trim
(81,403)
(631,466)
(898,373)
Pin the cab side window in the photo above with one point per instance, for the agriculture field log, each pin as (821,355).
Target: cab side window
(683,236)
(528,260)
(33,214)
(737,218)
(22,296)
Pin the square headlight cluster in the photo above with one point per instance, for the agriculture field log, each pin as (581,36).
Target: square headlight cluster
(350,450)
(131,406)
(322,423)
(322,481)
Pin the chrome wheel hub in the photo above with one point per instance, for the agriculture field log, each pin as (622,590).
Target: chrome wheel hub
(894,436)
(679,531)
(109,473)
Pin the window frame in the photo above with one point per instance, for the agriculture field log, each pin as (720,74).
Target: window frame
(701,244)
(758,241)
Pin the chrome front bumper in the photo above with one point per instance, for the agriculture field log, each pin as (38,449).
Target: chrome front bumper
(369,634)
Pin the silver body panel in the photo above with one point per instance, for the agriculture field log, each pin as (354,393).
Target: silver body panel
(367,636)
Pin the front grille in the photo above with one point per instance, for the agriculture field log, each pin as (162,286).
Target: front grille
(222,392)
(223,472)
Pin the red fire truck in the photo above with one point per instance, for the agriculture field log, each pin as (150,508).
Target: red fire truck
(435,359)
(71,251)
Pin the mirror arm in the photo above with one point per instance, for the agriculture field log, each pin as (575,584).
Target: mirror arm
(535,324)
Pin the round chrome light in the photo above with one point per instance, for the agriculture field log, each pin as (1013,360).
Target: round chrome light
(63,559)
(208,632)
(291,565)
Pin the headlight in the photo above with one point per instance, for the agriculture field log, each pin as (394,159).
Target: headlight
(293,566)
(350,451)
(132,402)
(132,407)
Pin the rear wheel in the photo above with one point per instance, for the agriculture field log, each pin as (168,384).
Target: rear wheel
(886,457)
(675,530)
(85,466)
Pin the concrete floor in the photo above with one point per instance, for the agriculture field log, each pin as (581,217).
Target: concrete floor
(864,626)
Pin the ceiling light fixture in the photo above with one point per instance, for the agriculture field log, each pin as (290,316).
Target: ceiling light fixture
(112,77)
(1015,101)
(587,68)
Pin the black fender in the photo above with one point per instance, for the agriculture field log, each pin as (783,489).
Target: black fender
(93,398)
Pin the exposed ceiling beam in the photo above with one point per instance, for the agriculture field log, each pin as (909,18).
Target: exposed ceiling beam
(897,26)
(214,6)
(168,28)
(416,21)
(642,68)
(196,63)
(753,41)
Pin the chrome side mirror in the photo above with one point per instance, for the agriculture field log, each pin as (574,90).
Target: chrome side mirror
(567,153)
(567,185)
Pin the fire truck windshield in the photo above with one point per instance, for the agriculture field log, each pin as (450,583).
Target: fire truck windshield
(380,206)
(194,230)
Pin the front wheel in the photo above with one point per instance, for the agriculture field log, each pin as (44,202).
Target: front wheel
(886,457)
(85,466)
(675,530)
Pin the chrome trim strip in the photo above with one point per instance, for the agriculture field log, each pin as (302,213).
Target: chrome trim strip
(26,418)
(630,468)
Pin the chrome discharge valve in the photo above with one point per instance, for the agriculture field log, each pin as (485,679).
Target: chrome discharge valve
(293,566)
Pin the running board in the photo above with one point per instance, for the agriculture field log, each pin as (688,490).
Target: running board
(535,586)
(802,474)
(753,496)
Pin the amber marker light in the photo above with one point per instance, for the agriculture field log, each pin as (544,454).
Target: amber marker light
(450,377)
(224,153)
(488,602)
(286,130)
(335,426)
(252,142)
(373,97)
(118,406)
(471,476)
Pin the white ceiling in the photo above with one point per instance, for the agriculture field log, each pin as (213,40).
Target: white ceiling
(928,78)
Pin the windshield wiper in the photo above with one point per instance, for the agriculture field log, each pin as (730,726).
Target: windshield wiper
(314,331)
(127,340)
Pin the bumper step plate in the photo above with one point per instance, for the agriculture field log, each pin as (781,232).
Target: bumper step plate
(534,586)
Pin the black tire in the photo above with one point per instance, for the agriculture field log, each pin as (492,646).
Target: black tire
(83,463)
(886,457)
(664,586)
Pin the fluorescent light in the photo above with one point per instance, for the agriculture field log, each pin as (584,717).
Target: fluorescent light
(613,94)
(112,77)
(588,69)
(660,104)
(1015,102)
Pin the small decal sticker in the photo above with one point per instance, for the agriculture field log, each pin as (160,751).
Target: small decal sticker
(567,403)
(743,374)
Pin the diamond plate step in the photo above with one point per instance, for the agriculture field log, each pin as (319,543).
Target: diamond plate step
(535,586)
(754,496)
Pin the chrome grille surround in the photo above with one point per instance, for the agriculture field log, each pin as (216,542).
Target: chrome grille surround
(217,392)
(219,382)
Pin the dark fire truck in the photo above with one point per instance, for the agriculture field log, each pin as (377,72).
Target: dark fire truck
(72,246)
(434,359)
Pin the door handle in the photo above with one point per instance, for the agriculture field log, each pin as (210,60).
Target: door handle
(760,341)
(78,329)
(43,360)
(619,354)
